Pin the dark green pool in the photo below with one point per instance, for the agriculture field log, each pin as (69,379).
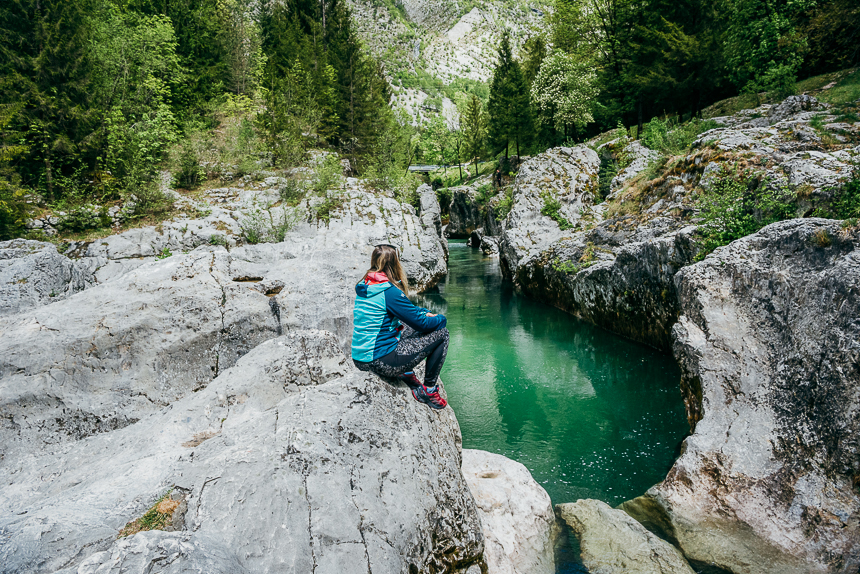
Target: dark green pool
(590,414)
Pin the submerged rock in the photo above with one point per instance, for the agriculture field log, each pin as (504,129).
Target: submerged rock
(614,543)
(769,347)
(520,529)
(291,460)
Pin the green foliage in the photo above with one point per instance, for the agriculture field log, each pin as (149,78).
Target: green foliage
(267,225)
(504,204)
(668,136)
(509,111)
(564,91)
(846,90)
(763,47)
(218,239)
(84,217)
(444,195)
(327,174)
(165,253)
(845,201)
(13,207)
(473,124)
(552,209)
(736,205)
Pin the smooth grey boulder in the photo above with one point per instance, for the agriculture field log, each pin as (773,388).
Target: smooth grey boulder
(33,273)
(566,175)
(769,347)
(520,529)
(291,461)
(612,542)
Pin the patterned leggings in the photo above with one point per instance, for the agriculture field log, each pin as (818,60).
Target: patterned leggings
(413,348)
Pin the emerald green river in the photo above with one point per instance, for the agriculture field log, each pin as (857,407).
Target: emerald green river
(590,414)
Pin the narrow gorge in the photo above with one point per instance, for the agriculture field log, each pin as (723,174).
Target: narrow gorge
(676,410)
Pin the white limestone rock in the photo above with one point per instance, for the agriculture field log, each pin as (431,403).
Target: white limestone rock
(516,513)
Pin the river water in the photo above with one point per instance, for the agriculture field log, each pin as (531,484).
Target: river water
(590,414)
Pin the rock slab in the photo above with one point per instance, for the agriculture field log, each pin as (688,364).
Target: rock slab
(614,543)
(305,465)
(520,529)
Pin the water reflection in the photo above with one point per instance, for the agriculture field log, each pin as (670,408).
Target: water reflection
(591,415)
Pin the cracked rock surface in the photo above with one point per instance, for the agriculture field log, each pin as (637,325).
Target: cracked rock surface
(769,347)
(33,273)
(311,466)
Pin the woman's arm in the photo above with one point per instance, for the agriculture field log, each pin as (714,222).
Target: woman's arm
(402,308)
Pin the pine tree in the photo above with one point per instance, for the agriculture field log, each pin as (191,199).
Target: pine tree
(473,123)
(44,67)
(509,112)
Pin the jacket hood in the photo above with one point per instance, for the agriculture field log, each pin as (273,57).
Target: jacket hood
(363,290)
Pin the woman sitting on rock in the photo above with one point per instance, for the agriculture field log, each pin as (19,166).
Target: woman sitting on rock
(391,335)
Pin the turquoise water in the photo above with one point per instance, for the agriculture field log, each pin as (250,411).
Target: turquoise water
(590,414)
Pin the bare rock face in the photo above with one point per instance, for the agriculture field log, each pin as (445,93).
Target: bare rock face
(565,175)
(614,543)
(103,358)
(620,279)
(290,461)
(520,529)
(33,273)
(464,212)
(769,346)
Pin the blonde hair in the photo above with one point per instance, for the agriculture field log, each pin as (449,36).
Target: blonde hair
(385,260)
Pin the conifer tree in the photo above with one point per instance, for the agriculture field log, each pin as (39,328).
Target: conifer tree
(510,116)
(44,66)
(473,124)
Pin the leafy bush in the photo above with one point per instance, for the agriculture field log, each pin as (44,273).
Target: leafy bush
(608,170)
(845,202)
(505,204)
(551,208)
(736,205)
(292,191)
(261,225)
(85,217)
(327,174)
(670,137)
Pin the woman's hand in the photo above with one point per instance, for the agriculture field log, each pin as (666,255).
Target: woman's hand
(430,315)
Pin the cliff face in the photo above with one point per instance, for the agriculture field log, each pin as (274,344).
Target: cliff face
(768,342)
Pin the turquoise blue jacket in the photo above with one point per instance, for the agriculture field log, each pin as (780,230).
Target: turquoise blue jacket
(379,311)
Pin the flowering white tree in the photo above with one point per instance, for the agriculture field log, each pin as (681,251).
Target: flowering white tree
(564,91)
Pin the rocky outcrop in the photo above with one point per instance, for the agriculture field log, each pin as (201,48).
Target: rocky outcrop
(564,175)
(101,359)
(620,279)
(614,543)
(290,460)
(33,273)
(768,347)
(520,529)
(464,212)
(615,264)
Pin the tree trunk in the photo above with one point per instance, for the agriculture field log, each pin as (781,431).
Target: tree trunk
(476,166)
(49,180)
(639,125)
(507,145)
(518,149)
